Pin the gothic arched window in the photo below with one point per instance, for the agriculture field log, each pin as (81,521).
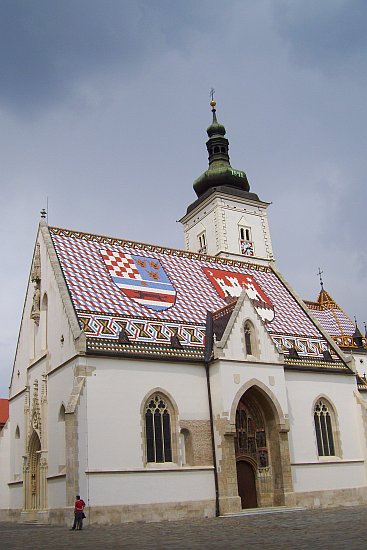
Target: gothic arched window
(158,429)
(324,428)
(17,459)
(249,338)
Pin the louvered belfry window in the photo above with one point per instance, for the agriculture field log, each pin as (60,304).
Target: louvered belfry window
(158,430)
(324,429)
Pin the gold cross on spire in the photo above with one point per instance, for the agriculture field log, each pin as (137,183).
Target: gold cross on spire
(319,273)
(213,102)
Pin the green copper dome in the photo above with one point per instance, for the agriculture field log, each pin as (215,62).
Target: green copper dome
(220,171)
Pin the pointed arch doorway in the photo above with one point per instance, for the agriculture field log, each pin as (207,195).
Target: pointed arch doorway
(261,452)
(32,495)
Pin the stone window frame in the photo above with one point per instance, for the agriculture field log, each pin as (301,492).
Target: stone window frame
(174,426)
(186,447)
(202,240)
(244,232)
(335,431)
(255,352)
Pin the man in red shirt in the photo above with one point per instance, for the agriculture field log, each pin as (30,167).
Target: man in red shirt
(78,513)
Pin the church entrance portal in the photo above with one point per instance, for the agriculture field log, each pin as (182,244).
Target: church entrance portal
(33,474)
(34,461)
(260,452)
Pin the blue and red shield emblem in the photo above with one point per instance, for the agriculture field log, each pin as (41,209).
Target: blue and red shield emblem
(140,278)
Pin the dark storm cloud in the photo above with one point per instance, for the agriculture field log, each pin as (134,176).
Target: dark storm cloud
(47,47)
(330,35)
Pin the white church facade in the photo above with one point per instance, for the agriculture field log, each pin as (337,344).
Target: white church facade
(166,384)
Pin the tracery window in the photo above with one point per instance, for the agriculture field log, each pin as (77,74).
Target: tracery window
(324,429)
(158,430)
(250,438)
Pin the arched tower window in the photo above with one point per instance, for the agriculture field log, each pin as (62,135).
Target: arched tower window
(202,242)
(158,429)
(324,428)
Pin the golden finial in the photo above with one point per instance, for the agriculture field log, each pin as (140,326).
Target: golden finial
(213,102)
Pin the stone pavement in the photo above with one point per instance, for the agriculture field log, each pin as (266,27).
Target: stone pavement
(337,528)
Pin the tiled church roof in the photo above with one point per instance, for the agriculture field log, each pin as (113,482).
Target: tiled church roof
(333,319)
(160,297)
(4,411)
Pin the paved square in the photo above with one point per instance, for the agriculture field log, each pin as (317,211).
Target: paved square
(341,528)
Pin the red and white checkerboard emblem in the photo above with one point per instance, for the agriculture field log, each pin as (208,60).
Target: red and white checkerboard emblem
(120,264)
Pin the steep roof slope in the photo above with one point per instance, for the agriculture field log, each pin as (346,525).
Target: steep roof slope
(333,319)
(136,298)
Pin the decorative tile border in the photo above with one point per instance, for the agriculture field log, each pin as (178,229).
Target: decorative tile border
(140,330)
(308,347)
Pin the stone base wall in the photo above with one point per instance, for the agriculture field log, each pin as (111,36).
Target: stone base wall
(171,511)
(114,515)
(328,499)
(10,515)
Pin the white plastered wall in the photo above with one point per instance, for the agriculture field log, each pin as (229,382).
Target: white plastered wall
(40,350)
(110,412)
(60,385)
(311,473)
(5,435)
(32,344)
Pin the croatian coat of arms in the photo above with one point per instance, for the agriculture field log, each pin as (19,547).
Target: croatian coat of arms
(231,284)
(140,278)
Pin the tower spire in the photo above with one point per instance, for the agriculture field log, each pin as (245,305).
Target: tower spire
(220,172)
(319,273)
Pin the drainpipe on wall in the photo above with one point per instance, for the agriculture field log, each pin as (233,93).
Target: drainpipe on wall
(207,357)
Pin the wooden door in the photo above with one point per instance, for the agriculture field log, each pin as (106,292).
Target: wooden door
(246,484)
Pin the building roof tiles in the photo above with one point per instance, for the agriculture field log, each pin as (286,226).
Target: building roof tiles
(333,319)
(154,293)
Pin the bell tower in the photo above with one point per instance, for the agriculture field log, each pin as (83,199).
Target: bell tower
(226,219)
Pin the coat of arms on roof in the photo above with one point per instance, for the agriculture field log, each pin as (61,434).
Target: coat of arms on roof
(140,278)
(231,284)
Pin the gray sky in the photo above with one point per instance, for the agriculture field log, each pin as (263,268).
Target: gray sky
(104,106)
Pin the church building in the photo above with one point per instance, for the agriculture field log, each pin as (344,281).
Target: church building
(167,384)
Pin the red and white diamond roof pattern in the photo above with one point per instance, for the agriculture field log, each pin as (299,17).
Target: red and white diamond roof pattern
(93,290)
(334,321)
